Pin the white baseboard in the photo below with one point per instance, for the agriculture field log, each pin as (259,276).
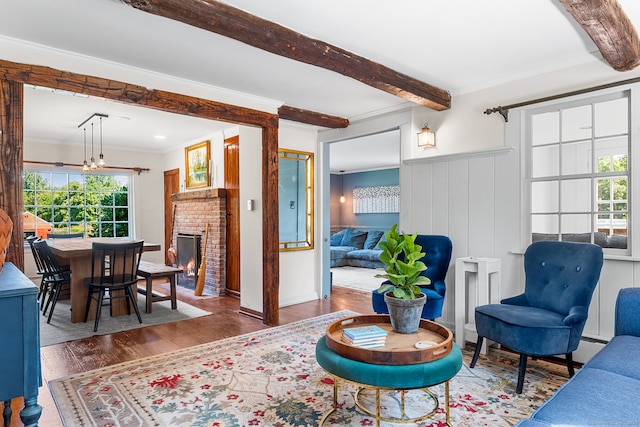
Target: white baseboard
(299,299)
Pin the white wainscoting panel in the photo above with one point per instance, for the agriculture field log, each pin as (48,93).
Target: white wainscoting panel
(481,206)
(475,200)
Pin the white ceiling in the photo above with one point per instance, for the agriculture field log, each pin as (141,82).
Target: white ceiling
(457,45)
(379,151)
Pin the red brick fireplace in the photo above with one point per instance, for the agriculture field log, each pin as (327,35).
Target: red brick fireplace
(193,211)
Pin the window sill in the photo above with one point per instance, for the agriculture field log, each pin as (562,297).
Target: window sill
(607,256)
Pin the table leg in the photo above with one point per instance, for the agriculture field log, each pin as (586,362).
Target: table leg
(335,404)
(31,412)
(172,287)
(7,412)
(377,407)
(446,403)
(149,294)
(80,269)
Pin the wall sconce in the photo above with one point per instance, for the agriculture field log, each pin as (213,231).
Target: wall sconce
(342,198)
(426,137)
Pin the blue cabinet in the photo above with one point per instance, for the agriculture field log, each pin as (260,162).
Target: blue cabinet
(20,368)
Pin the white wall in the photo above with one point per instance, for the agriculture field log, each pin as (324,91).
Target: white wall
(175,159)
(251,221)
(299,270)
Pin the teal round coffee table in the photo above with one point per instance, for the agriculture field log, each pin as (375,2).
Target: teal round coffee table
(389,377)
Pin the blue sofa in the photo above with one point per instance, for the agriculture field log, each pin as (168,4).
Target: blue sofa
(356,248)
(605,390)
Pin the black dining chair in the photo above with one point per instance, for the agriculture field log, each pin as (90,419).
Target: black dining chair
(39,270)
(114,267)
(54,277)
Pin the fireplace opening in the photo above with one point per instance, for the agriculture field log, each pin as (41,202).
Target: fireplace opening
(188,248)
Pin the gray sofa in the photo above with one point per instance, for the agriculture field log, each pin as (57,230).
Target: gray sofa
(357,248)
(604,392)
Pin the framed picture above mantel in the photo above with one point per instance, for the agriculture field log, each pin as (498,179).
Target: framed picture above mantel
(197,160)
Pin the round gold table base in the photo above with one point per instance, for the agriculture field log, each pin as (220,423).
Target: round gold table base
(377,414)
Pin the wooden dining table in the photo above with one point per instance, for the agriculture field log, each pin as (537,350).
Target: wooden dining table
(77,253)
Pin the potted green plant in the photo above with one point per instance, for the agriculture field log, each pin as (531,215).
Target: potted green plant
(402,293)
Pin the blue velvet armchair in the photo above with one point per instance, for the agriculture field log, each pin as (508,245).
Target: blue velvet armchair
(548,318)
(437,251)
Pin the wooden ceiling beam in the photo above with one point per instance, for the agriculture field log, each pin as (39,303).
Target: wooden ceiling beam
(610,29)
(133,94)
(312,118)
(223,19)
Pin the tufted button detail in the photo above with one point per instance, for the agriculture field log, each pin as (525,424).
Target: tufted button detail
(566,285)
(544,263)
(578,268)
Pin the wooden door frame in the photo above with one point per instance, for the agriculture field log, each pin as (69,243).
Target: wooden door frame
(169,214)
(14,75)
(233,214)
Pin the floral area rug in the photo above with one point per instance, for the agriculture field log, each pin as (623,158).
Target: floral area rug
(271,378)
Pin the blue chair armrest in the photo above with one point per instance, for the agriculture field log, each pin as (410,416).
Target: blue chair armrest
(517,300)
(576,315)
(627,320)
(438,286)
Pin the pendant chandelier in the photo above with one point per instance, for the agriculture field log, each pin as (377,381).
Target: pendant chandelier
(101,163)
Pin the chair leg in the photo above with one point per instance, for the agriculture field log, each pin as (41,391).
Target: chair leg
(110,302)
(569,357)
(49,297)
(55,289)
(98,309)
(86,310)
(172,285)
(130,297)
(476,353)
(521,371)
(43,295)
(42,292)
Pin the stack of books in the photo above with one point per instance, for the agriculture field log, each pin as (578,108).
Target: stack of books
(370,336)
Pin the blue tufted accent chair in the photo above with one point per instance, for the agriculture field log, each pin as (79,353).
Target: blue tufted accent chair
(548,318)
(437,251)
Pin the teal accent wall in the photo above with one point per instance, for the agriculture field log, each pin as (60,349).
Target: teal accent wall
(342,213)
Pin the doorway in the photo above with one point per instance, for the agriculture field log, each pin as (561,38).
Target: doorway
(371,160)
(232,187)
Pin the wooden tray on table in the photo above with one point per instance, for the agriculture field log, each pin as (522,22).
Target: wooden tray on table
(399,349)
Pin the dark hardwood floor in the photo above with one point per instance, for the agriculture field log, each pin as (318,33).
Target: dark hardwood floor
(83,355)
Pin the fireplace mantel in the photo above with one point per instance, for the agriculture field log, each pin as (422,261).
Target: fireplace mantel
(210,193)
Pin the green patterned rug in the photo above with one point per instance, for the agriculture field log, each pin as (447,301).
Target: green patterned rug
(270,378)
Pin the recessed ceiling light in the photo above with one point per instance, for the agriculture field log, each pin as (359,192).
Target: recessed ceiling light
(160,137)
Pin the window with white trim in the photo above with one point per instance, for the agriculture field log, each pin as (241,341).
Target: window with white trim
(578,171)
(62,202)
